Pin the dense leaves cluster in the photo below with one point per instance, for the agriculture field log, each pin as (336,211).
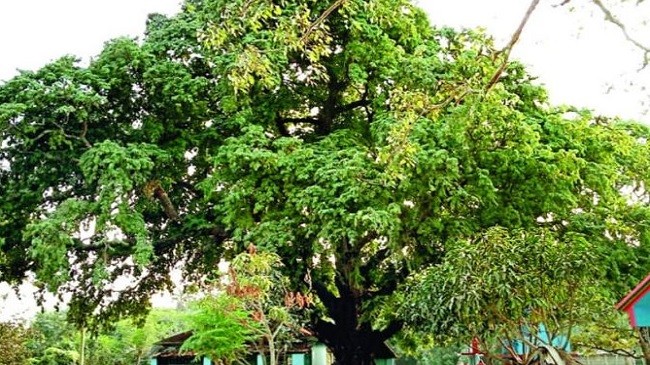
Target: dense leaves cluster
(351,138)
(500,289)
(13,344)
(92,159)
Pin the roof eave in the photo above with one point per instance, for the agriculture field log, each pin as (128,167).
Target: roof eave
(634,295)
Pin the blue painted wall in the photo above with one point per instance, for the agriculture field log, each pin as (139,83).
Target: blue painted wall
(560,342)
(642,311)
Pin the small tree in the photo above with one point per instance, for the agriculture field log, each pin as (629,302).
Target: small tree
(514,291)
(221,329)
(253,309)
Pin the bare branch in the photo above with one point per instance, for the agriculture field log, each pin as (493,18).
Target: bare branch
(508,48)
(82,137)
(42,134)
(353,105)
(562,3)
(615,351)
(609,16)
(166,203)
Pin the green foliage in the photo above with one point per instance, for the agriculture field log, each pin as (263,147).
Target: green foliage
(221,328)
(13,349)
(614,336)
(56,356)
(439,356)
(490,284)
(55,341)
(252,310)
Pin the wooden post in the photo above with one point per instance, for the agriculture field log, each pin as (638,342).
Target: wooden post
(82,361)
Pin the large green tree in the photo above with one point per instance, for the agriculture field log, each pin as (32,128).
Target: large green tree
(351,138)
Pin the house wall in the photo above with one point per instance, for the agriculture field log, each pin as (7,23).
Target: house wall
(642,311)
(384,361)
(298,359)
(179,360)
(541,338)
(319,355)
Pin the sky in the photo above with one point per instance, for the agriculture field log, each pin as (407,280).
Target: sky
(576,54)
(583,60)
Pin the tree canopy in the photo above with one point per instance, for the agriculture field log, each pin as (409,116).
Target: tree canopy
(351,138)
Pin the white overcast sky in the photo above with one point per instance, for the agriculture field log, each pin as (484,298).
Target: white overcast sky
(575,54)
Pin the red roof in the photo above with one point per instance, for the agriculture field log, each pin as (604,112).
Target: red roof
(634,295)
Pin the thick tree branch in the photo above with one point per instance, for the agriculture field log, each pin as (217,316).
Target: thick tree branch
(154,189)
(353,105)
(329,110)
(42,134)
(324,294)
(282,127)
(160,245)
(321,19)
(508,48)
(374,261)
(390,330)
(82,137)
(388,288)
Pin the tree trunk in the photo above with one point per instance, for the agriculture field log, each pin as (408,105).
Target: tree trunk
(352,354)
(272,354)
(644,341)
(352,342)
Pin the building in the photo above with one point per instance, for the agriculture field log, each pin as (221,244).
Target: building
(637,304)
(307,352)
